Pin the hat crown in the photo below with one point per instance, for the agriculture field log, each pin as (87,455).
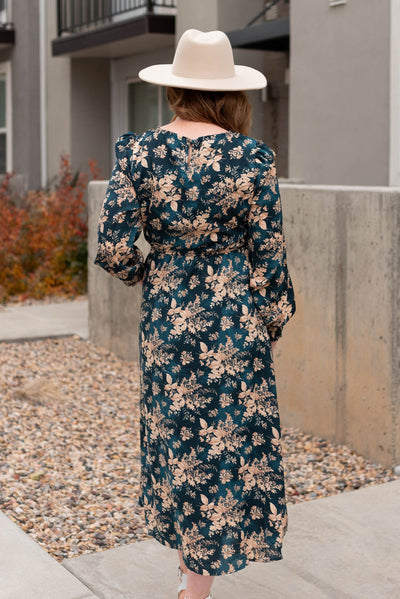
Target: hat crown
(204,55)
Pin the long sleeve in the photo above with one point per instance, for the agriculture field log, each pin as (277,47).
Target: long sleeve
(120,224)
(270,281)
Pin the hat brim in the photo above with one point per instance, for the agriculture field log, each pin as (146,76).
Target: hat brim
(245,78)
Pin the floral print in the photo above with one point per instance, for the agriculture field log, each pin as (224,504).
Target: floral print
(216,291)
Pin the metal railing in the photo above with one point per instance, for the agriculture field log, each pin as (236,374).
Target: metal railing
(79,15)
(270,10)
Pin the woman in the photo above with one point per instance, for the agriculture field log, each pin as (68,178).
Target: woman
(216,295)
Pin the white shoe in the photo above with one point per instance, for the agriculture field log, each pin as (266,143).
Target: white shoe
(183,580)
(183,584)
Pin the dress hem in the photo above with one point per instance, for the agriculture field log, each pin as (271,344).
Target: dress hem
(162,541)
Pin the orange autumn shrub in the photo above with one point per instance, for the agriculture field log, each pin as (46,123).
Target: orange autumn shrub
(43,248)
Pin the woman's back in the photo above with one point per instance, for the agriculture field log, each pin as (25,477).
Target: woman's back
(195,192)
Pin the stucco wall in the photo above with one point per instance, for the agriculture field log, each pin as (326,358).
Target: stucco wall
(77,107)
(337,362)
(215,14)
(58,92)
(394,167)
(25,92)
(339,113)
(90,112)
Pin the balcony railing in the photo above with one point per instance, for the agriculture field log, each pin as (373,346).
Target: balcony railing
(80,15)
(274,9)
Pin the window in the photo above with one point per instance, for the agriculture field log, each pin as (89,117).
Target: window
(5,147)
(3,12)
(147,106)
(3,129)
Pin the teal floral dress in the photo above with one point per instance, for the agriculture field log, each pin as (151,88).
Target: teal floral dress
(216,292)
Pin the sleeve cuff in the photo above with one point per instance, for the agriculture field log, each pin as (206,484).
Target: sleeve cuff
(274,333)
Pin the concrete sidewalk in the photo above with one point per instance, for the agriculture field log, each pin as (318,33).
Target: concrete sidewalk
(341,547)
(27,571)
(41,321)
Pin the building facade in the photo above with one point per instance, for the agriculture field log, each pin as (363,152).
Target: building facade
(331,111)
(345,92)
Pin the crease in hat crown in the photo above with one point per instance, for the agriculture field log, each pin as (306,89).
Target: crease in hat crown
(210,57)
(204,60)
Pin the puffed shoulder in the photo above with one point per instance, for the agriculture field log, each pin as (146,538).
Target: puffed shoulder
(263,154)
(124,143)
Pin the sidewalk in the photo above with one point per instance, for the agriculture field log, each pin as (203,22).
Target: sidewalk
(40,321)
(28,572)
(341,547)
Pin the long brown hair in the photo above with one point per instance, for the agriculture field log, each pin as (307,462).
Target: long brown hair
(229,109)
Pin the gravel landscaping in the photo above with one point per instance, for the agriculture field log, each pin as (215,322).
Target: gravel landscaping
(69,447)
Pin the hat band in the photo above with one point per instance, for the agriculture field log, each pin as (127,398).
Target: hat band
(211,74)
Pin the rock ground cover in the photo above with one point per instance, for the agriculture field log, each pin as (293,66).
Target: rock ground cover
(70,456)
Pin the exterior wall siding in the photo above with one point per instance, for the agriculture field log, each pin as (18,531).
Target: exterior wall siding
(90,112)
(330,115)
(339,92)
(26,92)
(58,85)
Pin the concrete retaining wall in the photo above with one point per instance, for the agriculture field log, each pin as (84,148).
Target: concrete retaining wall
(337,364)
(113,306)
(338,361)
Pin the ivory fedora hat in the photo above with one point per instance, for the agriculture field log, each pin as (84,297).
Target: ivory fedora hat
(204,60)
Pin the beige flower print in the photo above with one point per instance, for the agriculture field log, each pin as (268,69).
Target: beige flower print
(222,282)
(187,393)
(222,360)
(226,511)
(221,437)
(258,473)
(185,469)
(257,399)
(192,318)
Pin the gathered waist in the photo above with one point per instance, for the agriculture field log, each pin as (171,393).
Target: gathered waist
(214,249)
